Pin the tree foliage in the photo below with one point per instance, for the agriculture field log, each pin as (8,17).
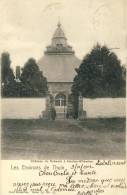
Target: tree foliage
(33,83)
(6,71)
(8,88)
(99,75)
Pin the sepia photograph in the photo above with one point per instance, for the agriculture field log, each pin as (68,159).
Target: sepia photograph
(63,79)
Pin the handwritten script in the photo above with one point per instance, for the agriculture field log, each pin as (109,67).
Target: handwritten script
(68,177)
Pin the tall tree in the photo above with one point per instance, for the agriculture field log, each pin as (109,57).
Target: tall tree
(33,83)
(6,71)
(99,75)
(7,76)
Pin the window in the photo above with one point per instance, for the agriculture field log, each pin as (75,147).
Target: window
(60,100)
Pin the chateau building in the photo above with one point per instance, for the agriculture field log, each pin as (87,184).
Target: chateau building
(58,65)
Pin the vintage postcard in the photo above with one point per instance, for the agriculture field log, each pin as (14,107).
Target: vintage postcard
(63,97)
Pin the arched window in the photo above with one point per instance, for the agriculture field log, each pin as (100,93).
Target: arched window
(60,100)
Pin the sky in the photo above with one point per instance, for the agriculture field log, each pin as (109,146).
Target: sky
(27,26)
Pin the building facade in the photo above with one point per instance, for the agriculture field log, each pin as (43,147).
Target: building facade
(58,65)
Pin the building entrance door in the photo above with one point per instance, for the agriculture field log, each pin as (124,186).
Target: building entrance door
(60,106)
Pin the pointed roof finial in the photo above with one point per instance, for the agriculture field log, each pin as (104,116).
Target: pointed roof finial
(59,24)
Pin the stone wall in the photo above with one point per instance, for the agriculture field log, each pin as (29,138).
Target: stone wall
(104,107)
(22,108)
(32,108)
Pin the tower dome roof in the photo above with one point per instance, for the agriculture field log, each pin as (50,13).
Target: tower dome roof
(59,61)
(59,42)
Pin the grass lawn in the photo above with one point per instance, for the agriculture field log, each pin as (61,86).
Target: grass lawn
(69,139)
(110,124)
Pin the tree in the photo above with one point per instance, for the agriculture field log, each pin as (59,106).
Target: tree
(7,76)
(99,75)
(33,83)
(6,72)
